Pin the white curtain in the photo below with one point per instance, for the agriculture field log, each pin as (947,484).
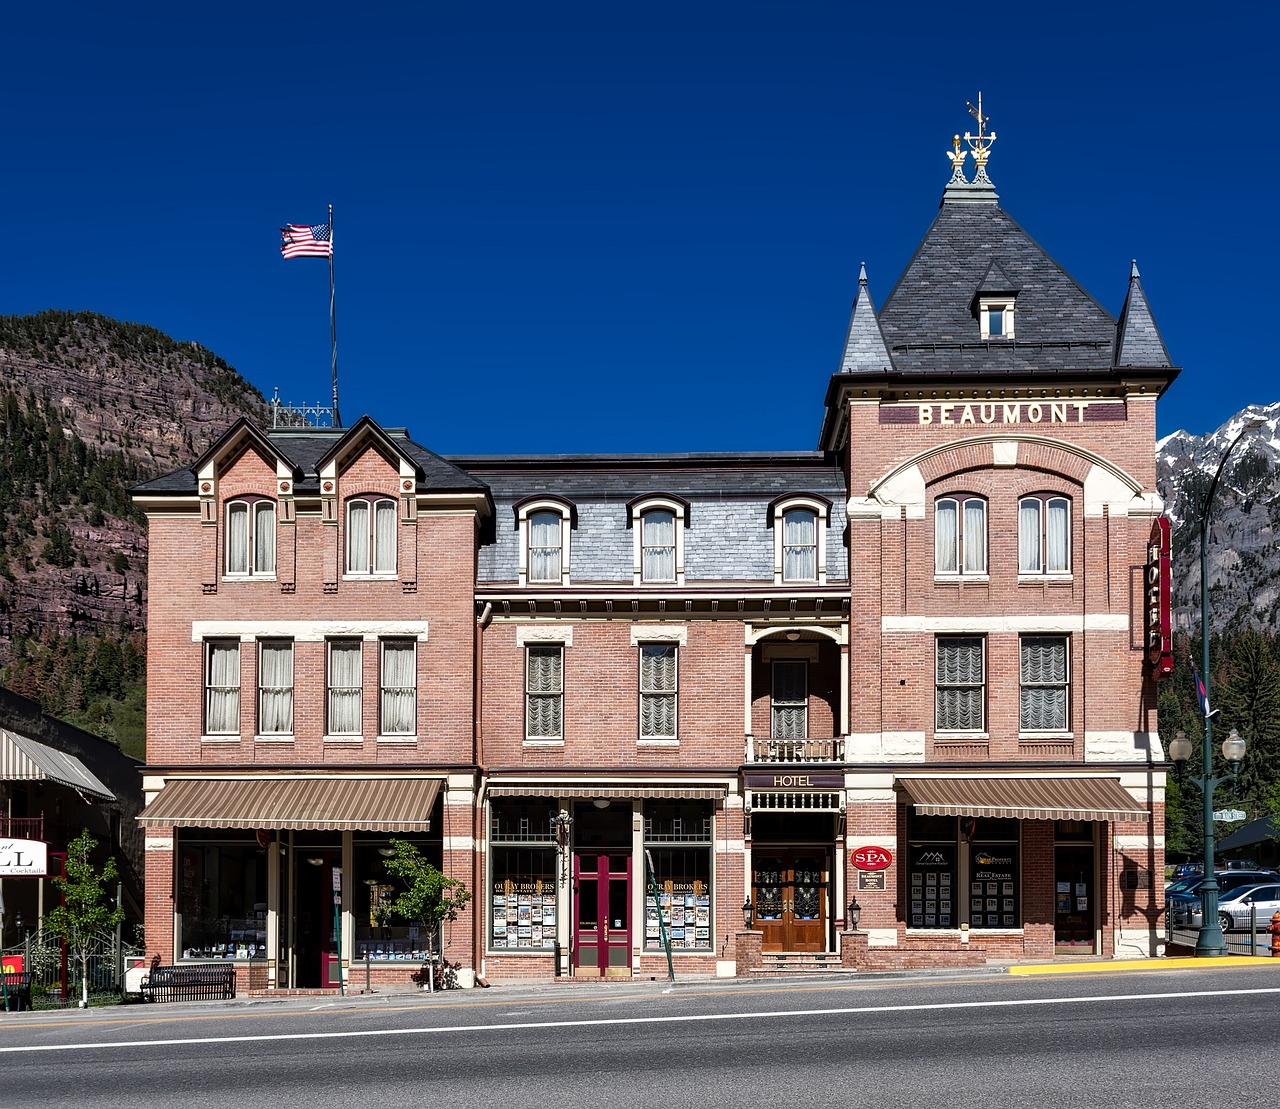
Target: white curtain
(358,537)
(384,537)
(658,557)
(1029,537)
(544,546)
(345,688)
(543,702)
(975,536)
(399,688)
(276,710)
(1043,701)
(945,537)
(959,685)
(237,538)
(264,538)
(790,700)
(1058,533)
(658,692)
(799,546)
(222,704)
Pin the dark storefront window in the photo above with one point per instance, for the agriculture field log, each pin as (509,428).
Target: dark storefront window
(222,898)
(381,933)
(994,900)
(963,870)
(522,876)
(677,837)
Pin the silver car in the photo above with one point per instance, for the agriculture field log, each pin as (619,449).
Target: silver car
(1244,903)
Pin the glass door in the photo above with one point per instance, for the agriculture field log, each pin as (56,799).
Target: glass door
(790,894)
(601,915)
(1075,909)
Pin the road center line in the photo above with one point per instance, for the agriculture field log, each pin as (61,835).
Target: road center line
(604,1022)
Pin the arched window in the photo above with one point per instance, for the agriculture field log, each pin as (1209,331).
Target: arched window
(546,525)
(960,535)
(658,545)
(799,522)
(251,537)
(371,536)
(1044,535)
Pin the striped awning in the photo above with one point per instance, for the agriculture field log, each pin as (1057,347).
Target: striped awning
(1024,798)
(318,804)
(588,792)
(23,759)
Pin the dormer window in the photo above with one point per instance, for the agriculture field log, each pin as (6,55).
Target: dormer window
(799,522)
(995,317)
(371,537)
(657,524)
(251,537)
(546,525)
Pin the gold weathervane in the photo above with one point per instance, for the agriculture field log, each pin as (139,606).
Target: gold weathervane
(979,144)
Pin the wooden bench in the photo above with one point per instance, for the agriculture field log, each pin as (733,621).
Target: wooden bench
(196,982)
(17,989)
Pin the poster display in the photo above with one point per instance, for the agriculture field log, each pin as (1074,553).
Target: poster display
(993,886)
(685,909)
(932,888)
(524,914)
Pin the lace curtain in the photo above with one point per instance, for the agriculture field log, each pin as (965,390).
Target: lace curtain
(1058,533)
(960,685)
(276,710)
(544,546)
(975,536)
(658,556)
(222,706)
(238,538)
(345,682)
(945,537)
(399,688)
(658,692)
(1029,537)
(543,702)
(799,546)
(358,537)
(790,701)
(264,538)
(1043,698)
(384,537)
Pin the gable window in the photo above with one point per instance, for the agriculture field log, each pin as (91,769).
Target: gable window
(251,537)
(1044,535)
(800,545)
(544,547)
(222,687)
(658,546)
(960,535)
(995,316)
(1043,675)
(275,687)
(658,691)
(544,692)
(790,709)
(399,687)
(345,688)
(371,536)
(960,684)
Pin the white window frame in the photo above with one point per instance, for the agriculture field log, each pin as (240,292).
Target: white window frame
(821,521)
(639,510)
(330,688)
(371,501)
(252,506)
(524,516)
(961,553)
(939,687)
(543,648)
(210,689)
(1044,501)
(1001,308)
(384,689)
(1064,685)
(646,695)
(290,689)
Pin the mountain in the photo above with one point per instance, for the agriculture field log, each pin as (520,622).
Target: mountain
(89,406)
(1244,520)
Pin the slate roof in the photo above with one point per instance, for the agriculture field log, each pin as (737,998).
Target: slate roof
(864,346)
(928,319)
(1139,341)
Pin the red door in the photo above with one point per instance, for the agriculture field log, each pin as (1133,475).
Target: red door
(601,915)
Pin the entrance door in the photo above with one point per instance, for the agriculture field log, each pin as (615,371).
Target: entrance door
(315,941)
(790,892)
(1075,909)
(601,915)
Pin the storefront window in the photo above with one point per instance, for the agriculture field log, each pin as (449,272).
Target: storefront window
(946,855)
(677,837)
(993,875)
(380,933)
(222,898)
(522,869)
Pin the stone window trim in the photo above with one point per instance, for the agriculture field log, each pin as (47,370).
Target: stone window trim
(544,694)
(637,510)
(659,685)
(1044,686)
(996,316)
(222,690)
(525,510)
(960,685)
(252,555)
(776,517)
(961,555)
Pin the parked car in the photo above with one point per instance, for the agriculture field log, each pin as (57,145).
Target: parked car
(1184,906)
(1192,869)
(1256,903)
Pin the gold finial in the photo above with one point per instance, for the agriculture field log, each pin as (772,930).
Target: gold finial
(957,157)
(980,143)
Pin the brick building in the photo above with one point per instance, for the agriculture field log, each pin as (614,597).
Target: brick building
(629,700)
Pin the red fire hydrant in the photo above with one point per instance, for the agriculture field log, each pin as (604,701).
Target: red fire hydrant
(1275,935)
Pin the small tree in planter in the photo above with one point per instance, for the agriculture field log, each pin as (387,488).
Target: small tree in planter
(85,911)
(430,897)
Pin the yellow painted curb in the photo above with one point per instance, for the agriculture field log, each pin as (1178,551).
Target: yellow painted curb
(1124,966)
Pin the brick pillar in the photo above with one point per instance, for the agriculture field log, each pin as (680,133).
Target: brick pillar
(158,925)
(853,950)
(747,952)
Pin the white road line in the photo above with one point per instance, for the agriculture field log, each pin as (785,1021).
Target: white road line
(778,1014)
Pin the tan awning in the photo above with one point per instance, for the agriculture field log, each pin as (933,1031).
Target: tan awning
(1024,798)
(320,804)
(679,793)
(23,759)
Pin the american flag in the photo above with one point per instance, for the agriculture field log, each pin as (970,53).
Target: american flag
(297,241)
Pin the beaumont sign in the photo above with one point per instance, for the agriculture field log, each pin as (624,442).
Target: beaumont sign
(1003,413)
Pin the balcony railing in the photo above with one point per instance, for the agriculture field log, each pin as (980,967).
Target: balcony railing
(22,827)
(768,749)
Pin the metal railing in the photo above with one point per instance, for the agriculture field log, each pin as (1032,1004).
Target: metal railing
(768,749)
(1256,941)
(41,954)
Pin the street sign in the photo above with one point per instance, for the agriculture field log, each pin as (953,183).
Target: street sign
(1229,814)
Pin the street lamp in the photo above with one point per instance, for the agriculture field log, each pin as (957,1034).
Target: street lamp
(1210,940)
(747,911)
(855,915)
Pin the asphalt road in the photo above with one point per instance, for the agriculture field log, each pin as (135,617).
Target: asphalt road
(1154,1039)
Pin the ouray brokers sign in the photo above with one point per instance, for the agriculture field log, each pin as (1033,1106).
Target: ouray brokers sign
(23,857)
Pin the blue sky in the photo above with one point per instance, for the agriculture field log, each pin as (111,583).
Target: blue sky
(619,226)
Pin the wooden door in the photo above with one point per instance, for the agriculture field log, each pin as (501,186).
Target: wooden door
(602,915)
(790,891)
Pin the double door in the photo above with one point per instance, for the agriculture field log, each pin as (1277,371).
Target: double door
(791,895)
(602,914)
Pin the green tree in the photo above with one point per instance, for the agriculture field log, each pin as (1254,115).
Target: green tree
(85,910)
(430,896)
(1247,690)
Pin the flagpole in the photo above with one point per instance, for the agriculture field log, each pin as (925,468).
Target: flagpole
(333,326)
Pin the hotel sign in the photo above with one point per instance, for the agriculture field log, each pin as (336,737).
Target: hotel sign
(1001,413)
(808,779)
(1158,602)
(23,857)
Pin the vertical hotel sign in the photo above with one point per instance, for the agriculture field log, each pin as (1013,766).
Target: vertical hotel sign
(1159,624)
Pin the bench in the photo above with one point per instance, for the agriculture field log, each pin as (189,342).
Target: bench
(197,982)
(17,989)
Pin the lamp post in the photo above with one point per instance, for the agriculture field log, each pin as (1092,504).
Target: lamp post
(1210,940)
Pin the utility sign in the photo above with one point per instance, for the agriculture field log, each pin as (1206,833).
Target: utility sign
(1159,646)
(337,885)
(1229,815)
